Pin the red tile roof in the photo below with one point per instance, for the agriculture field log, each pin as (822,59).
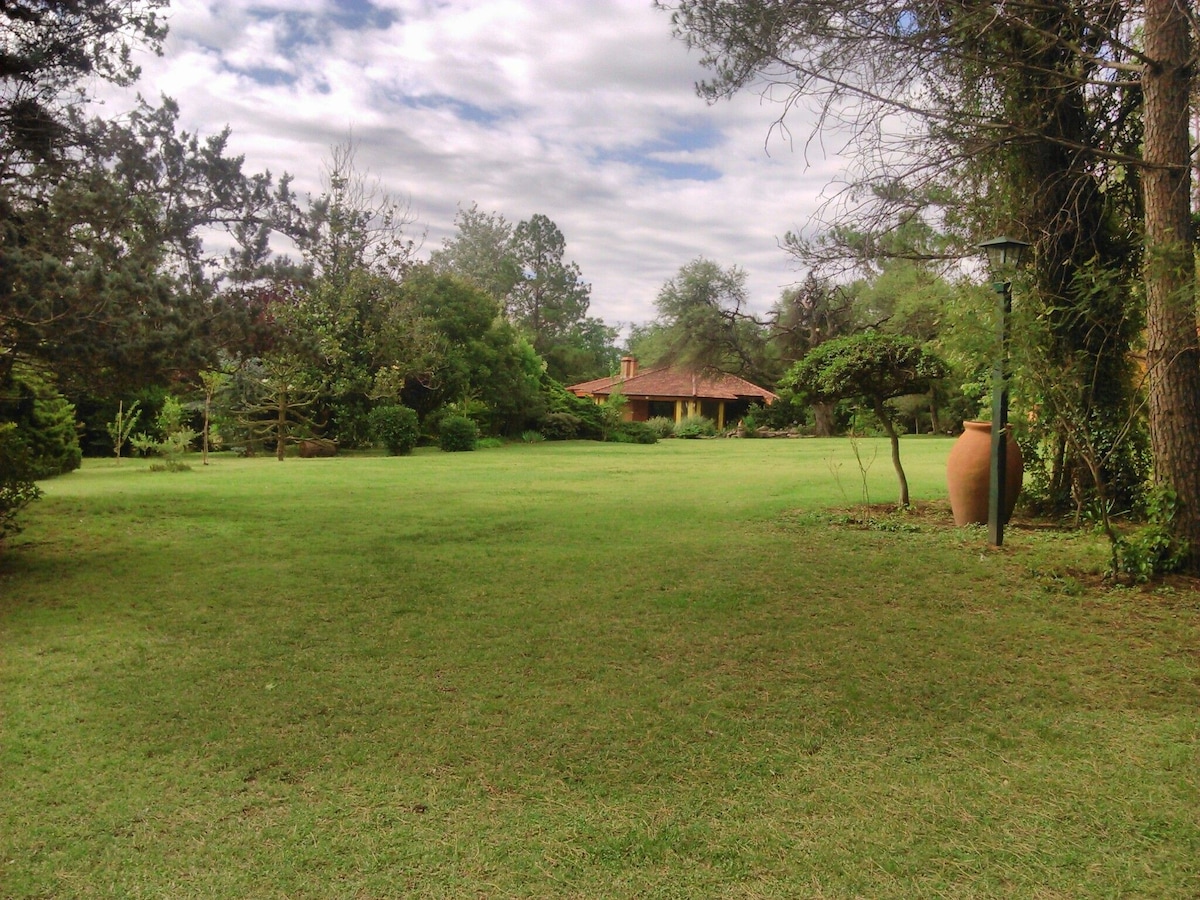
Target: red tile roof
(676,383)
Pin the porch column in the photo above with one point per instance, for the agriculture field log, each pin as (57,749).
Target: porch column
(721,416)
(678,411)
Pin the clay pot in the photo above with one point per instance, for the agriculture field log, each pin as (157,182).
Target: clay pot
(968,471)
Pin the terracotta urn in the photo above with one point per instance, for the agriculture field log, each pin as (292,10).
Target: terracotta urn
(967,474)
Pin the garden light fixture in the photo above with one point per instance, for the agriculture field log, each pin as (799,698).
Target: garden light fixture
(1005,256)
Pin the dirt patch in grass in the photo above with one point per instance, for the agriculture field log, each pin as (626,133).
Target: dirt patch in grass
(937,514)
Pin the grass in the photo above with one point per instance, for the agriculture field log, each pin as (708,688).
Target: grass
(580,670)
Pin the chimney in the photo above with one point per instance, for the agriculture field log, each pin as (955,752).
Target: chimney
(628,366)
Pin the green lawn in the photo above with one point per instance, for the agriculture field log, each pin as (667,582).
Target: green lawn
(581,670)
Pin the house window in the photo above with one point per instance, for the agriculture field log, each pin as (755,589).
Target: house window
(664,408)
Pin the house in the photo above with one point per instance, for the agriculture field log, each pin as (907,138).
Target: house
(675,393)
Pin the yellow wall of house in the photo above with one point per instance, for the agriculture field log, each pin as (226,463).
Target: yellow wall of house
(684,408)
(639,410)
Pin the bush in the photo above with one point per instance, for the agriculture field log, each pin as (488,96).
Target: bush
(694,427)
(458,433)
(396,427)
(53,438)
(170,465)
(586,415)
(635,433)
(175,435)
(351,423)
(1152,550)
(789,411)
(178,442)
(559,426)
(120,429)
(663,427)
(17,489)
(45,422)
(143,444)
(532,437)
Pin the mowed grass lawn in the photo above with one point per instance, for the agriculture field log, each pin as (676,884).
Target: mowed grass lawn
(581,670)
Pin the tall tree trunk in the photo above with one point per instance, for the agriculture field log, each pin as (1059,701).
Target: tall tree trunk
(1172,350)
(823,420)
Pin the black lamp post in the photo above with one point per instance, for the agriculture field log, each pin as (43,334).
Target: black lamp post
(1004,257)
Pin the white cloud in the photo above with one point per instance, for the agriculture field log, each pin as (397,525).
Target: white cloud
(575,110)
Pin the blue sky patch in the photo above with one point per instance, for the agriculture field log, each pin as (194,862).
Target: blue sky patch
(263,75)
(361,15)
(651,156)
(467,112)
(699,137)
(305,29)
(296,29)
(677,171)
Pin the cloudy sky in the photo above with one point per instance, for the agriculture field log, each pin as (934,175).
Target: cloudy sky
(583,110)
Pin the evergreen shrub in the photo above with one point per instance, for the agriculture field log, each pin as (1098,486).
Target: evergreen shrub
(695,427)
(663,427)
(458,433)
(635,433)
(396,427)
(45,422)
(560,426)
(351,423)
(590,415)
(789,411)
(17,489)
(592,424)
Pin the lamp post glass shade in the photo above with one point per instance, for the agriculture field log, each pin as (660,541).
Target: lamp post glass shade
(1004,254)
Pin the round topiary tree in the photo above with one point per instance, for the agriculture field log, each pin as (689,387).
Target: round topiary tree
(457,433)
(396,427)
(872,368)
